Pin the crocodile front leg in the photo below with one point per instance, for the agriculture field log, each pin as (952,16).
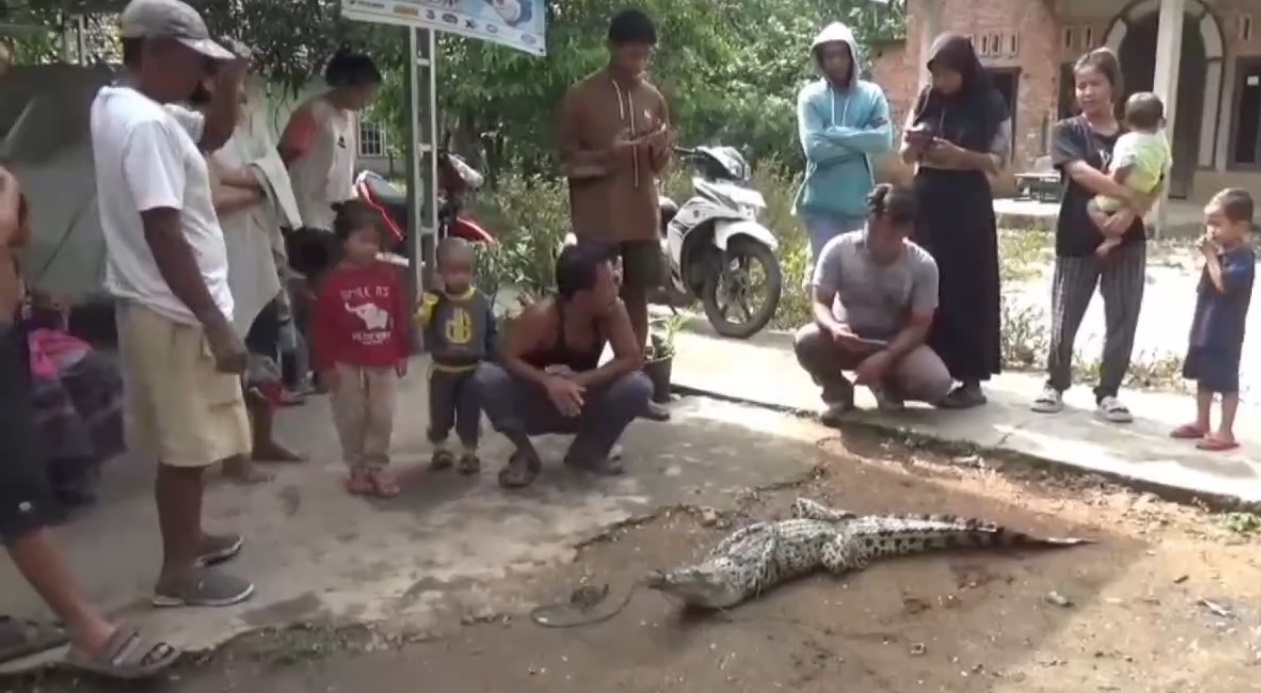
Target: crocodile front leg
(806,509)
(843,554)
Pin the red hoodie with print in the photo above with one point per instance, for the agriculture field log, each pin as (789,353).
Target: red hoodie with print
(361,318)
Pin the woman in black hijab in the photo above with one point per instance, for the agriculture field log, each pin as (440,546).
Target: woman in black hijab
(959,135)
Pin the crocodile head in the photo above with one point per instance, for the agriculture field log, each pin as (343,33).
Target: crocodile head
(706,586)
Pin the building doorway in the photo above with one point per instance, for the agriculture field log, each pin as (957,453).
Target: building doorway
(1007,81)
(1138,56)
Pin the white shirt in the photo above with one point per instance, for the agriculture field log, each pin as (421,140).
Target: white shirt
(146,160)
(324,174)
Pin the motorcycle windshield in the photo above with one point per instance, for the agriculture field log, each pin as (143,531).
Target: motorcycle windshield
(735,196)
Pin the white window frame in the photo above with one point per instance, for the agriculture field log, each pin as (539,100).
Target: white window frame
(372,132)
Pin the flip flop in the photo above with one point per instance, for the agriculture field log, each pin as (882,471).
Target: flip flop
(359,483)
(1212,443)
(384,485)
(1187,432)
(22,638)
(125,657)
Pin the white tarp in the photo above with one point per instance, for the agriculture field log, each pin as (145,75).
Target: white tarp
(45,141)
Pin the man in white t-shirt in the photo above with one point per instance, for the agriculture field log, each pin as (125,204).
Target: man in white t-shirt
(167,267)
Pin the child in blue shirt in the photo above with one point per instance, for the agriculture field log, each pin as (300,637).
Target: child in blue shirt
(1221,312)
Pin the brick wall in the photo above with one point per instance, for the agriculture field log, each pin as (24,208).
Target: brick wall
(1037,55)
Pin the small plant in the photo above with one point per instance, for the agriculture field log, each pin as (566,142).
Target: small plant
(488,261)
(1242,523)
(661,335)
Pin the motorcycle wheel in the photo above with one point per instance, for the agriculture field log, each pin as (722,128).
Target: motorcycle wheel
(742,252)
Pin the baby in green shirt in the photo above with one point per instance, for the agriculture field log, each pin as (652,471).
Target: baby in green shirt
(1140,159)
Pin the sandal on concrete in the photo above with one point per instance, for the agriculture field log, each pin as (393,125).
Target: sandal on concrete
(22,638)
(1188,432)
(442,460)
(384,485)
(1215,443)
(469,464)
(125,657)
(522,469)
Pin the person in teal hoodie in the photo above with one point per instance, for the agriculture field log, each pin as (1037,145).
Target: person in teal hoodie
(843,121)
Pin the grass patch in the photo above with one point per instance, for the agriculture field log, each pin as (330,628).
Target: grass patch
(530,216)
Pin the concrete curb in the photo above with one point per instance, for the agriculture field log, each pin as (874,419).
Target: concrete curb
(783,340)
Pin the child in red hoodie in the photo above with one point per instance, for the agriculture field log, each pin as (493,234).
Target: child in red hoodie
(360,348)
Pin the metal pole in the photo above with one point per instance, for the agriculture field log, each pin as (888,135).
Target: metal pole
(422,170)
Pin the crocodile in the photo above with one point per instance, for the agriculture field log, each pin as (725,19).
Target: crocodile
(763,555)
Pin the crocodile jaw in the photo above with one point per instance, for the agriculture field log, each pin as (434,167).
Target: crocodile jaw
(696,587)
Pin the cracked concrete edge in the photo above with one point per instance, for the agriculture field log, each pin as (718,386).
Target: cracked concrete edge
(957,447)
(278,643)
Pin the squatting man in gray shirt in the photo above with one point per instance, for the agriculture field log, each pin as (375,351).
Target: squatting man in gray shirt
(875,292)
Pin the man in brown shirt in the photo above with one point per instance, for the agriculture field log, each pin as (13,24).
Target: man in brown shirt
(614,139)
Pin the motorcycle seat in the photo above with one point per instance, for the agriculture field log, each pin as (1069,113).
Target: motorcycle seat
(384,192)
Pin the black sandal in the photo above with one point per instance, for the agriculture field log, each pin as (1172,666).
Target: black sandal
(522,469)
(442,460)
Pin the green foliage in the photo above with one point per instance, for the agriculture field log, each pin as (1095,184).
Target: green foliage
(730,70)
(530,218)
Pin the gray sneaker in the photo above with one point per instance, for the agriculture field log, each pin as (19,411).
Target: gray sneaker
(205,587)
(219,548)
(1051,401)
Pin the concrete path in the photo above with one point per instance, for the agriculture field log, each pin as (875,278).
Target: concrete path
(319,555)
(1165,322)
(764,371)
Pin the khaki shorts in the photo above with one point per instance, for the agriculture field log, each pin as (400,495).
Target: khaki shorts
(180,409)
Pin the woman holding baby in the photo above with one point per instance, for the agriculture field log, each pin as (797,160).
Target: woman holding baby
(1081,148)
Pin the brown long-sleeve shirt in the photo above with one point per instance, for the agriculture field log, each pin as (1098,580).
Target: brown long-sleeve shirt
(612,191)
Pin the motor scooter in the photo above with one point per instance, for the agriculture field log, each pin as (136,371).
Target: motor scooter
(455,178)
(717,248)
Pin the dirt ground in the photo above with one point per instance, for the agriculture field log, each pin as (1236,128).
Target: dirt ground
(1168,601)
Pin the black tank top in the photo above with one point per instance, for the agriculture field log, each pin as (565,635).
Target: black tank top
(561,354)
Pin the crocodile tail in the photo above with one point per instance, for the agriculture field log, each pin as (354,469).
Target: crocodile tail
(895,535)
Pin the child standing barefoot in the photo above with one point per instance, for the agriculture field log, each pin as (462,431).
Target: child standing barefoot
(1221,312)
(360,346)
(459,332)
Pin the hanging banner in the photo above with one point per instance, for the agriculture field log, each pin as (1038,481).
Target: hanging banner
(514,23)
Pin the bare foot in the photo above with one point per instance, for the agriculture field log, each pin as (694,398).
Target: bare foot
(242,470)
(275,452)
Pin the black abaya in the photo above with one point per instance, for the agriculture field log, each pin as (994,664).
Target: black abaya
(956,225)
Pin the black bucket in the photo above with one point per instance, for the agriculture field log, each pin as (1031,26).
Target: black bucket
(658,371)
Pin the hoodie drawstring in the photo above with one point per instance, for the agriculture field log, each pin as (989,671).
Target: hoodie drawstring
(844,109)
(625,104)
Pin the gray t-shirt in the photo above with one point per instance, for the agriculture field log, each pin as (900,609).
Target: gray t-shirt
(874,300)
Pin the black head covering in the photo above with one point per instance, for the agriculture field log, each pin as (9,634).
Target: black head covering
(970,118)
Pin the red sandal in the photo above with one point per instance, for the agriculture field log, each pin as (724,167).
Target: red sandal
(359,483)
(1188,432)
(1216,443)
(384,484)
